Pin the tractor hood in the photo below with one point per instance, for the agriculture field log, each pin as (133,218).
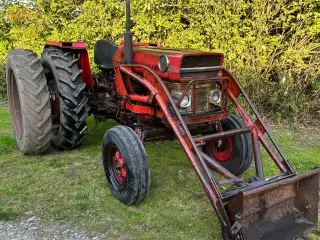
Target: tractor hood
(174,64)
(178,64)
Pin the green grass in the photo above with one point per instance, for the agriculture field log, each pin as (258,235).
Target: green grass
(70,186)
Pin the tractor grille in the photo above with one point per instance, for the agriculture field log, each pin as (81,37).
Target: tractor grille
(199,96)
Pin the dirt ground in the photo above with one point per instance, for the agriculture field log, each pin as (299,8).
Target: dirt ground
(32,228)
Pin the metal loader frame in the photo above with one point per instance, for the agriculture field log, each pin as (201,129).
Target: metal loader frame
(200,161)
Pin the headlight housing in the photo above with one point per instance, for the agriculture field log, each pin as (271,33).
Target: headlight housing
(186,101)
(202,97)
(163,64)
(215,96)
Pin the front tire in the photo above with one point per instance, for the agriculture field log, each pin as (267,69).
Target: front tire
(68,100)
(29,101)
(234,153)
(126,165)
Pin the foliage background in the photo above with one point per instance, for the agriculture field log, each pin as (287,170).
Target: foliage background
(272,46)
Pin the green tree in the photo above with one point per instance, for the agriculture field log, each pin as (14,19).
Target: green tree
(269,45)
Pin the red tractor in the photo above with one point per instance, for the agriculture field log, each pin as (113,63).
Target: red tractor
(159,93)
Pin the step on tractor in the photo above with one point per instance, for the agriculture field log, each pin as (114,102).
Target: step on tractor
(157,93)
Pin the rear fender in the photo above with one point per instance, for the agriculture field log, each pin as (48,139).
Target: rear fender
(84,61)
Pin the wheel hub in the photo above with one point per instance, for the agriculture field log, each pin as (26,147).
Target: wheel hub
(120,167)
(117,168)
(221,149)
(54,98)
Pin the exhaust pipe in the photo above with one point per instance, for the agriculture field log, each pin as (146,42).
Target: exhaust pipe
(128,46)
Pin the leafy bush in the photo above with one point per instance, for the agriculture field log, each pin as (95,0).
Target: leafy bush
(269,45)
(3,90)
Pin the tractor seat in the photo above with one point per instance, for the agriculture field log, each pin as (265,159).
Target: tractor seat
(104,51)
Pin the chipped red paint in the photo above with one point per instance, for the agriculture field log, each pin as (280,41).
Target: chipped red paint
(120,167)
(156,86)
(139,98)
(221,149)
(149,56)
(67,45)
(85,67)
(255,131)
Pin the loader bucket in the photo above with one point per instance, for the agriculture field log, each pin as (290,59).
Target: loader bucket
(282,210)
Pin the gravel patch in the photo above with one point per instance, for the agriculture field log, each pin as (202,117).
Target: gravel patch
(32,228)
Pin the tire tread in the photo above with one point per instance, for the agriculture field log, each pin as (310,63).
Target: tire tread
(72,96)
(34,101)
(137,162)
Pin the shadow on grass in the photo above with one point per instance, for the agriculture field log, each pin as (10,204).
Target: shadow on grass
(7,144)
(95,133)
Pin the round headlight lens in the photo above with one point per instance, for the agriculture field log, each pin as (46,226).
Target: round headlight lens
(163,63)
(186,101)
(215,96)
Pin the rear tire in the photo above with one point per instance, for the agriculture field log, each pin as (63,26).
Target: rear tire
(29,101)
(238,160)
(69,113)
(126,165)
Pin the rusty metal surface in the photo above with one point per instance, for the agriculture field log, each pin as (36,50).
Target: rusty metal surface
(234,90)
(280,210)
(217,167)
(257,153)
(192,119)
(217,135)
(267,208)
(201,92)
(176,122)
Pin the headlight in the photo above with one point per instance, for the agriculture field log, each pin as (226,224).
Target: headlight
(163,63)
(186,101)
(215,96)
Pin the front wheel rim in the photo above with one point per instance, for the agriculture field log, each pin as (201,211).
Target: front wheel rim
(117,168)
(221,149)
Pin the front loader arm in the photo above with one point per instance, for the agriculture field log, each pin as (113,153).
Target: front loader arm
(234,91)
(160,93)
(233,207)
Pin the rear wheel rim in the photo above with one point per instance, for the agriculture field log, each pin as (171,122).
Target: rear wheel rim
(15,106)
(221,149)
(54,98)
(117,168)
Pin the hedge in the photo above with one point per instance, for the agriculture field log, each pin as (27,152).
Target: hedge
(271,46)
